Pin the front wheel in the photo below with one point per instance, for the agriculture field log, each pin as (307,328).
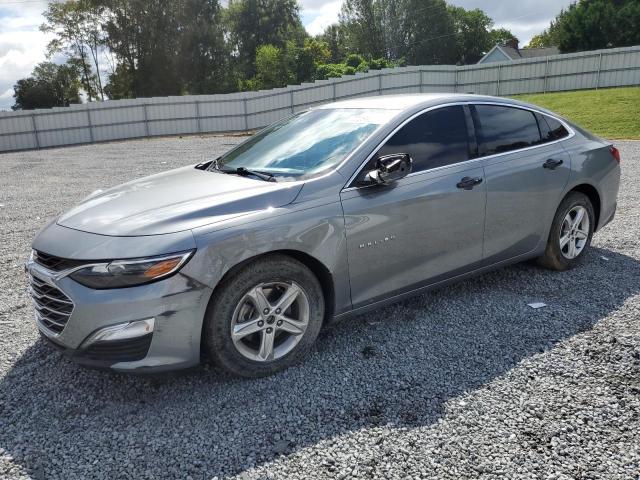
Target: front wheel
(265,317)
(571,233)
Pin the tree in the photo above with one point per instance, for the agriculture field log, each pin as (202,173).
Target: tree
(278,67)
(253,23)
(145,36)
(204,56)
(419,31)
(550,36)
(49,85)
(335,38)
(361,20)
(121,83)
(501,36)
(473,36)
(76,25)
(304,61)
(429,31)
(593,24)
(318,50)
(165,47)
(540,41)
(271,68)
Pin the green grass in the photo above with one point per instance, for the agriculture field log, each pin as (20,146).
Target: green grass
(612,113)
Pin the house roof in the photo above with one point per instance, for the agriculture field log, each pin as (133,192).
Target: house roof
(538,52)
(516,54)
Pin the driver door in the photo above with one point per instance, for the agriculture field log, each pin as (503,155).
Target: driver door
(422,228)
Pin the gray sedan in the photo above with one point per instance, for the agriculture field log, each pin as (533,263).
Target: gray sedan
(324,215)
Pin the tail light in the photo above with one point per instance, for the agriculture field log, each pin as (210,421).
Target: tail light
(616,153)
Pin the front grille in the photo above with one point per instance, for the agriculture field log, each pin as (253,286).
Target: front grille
(53,307)
(54,263)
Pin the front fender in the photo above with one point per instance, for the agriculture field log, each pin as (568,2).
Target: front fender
(317,231)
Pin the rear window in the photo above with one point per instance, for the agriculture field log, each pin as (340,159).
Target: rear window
(554,131)
(503,129)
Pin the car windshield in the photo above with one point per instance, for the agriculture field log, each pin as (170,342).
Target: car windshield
(305,144)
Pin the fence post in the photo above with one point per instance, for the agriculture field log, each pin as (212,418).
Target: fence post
(334,90)
(199,125)
(421,81)
(146,119)
(379,84)
(89,122)
(599,69)
(455,81)
(546,76)
(35,130)
(498,81)
(245,113)
(291,100)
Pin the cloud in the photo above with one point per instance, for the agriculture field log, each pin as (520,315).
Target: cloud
(7,94)
(20,51)
(319,14)
(22,45)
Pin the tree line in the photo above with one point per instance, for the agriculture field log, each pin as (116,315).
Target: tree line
(592,25)
(142,48)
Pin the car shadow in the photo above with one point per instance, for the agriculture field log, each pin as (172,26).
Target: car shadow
(397,367)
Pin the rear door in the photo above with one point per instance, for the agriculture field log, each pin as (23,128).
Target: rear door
(423,227)
(526,172)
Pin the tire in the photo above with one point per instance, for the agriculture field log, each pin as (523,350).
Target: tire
(561,258)
(238,305)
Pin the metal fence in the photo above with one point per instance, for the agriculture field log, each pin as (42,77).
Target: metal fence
(146,117)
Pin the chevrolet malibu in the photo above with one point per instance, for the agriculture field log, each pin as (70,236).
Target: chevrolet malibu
(326,214)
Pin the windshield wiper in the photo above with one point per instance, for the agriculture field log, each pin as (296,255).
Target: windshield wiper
(266,176)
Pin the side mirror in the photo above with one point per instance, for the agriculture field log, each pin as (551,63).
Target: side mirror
(390,169)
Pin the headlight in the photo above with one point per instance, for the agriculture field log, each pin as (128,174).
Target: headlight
(129,273)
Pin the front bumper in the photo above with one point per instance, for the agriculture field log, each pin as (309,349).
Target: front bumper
(106,354)
(174,307)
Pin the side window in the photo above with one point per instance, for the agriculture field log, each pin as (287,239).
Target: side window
(434,139)
(502,129)
(556,130)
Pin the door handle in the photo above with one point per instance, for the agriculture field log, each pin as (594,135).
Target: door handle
(552,164)
(467,183)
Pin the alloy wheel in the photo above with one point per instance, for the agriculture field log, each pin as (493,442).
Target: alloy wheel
(270,320)
(574,232)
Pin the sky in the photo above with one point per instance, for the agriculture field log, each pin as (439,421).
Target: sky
(22,45)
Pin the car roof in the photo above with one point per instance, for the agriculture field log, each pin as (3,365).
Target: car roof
(415,100)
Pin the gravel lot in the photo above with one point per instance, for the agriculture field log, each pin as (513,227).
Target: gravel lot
(463,382)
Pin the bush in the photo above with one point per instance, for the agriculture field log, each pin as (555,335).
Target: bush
(352,64)
(330,70)
(354,60)
(380,63)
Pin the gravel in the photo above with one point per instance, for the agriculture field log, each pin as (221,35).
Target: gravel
(464,382)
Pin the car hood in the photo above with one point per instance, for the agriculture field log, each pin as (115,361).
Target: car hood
(174,201)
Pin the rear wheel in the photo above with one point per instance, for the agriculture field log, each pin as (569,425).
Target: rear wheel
(265,317)
(570,234)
